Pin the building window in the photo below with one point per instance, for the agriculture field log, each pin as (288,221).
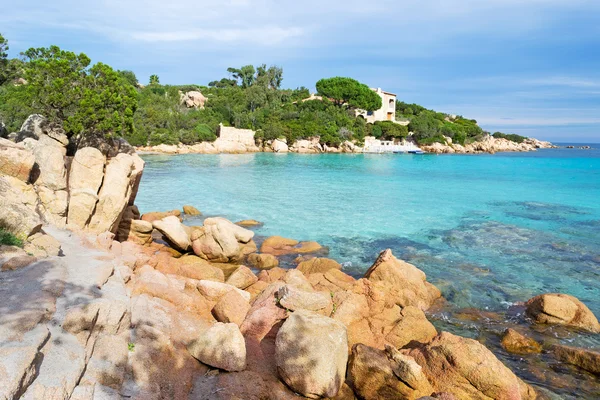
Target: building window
(392,103)
(369,113)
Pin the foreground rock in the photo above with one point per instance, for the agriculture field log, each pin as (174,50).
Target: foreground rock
(263,261)
(562,309)
(174,232)
(311,353)
(18,207)
(221,346)
(404,282)
(588,360)
(15,160)
(375,374)
(467,369)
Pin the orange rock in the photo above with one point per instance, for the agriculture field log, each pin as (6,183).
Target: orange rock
(562,309)
(17,263)
(586,359)
(232,307)
(249,222)
(272,275)
(318,265)
(278,245)
(517,343)
(263,261)
(156,215)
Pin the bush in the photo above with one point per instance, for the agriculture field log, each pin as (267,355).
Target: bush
(205,133)
(511,136)
(8,239)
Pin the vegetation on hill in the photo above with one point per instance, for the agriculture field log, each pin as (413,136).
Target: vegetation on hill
(8,239)
(98,100)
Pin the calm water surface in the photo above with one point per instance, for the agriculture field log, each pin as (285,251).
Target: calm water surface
(488,230)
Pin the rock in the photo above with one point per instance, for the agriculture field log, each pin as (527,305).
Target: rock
(195,267)
(7,252)
(191,210)
(221,346)
(232,307)
(174,232)
(375,374)
(412,326)
(333,280)
(249,222)
(311,352)
(294,299)
(193,99)
(279,146)
(404,282)
(264,313)
(155,215)
(213,291)
(465,368)
(318,265)
(108,363)
(517,343)
(17,262)
(17,214)
(42,245)
(586,359)
(33,124)
(114,195)
(52,169)
(263,261)
(562,309)
(277,245)
(85,177)
(15,160)
(220,240)
(295,278)
(53,205)
(242,277)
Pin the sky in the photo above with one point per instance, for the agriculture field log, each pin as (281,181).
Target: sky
(530,67)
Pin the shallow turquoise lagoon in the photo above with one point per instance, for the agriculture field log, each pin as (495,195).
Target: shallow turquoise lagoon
(489,230)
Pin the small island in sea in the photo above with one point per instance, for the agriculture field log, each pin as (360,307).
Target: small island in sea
(366,269)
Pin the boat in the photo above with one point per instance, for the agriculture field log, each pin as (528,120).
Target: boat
(416,152)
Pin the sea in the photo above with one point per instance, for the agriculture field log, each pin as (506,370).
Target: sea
(491,231)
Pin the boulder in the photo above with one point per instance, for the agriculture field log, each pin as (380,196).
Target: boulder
(153,216)
(242,277)
(220,240)
(52,169)
(193,99)
(586,359)
(213,291)
(17,214)
(318,265)
(277,245)
(221,346)
(33,124)
(53,205)
(404,282)
(114,195)
(411,326)
(249,222)
(467,369)
(311,352)
(263,261)
(85,177)
(279,146)
(264,314)
(17,263)
(332,280)
(231,308)
(562,309)
(191,210)
(42,245)
(174,232)
(376,374)
(15,160)
(294,299)
(515,342)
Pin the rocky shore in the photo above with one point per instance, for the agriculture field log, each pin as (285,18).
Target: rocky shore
(105,303)
(489,144)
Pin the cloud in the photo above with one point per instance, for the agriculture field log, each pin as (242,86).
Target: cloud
(261,36)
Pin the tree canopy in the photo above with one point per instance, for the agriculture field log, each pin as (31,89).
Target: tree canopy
(348,91)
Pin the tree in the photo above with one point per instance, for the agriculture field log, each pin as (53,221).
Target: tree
(350,92)
(154,80)
(130,77)
(244,75)
(4,73)
(223,83)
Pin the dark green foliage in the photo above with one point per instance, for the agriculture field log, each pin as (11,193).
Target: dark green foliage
(154,79)
(15,105)
(4,73)
(510,136)
(8,239)
(391,130)
(350,92)
(130,77)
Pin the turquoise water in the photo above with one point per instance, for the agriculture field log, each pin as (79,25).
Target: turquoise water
(489,230)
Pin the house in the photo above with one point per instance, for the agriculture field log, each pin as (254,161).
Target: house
(387,112)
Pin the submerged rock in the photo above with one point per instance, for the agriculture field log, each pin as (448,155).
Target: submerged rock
(586,359)
(278,246)
(517,343)
(311,352)
(562,309)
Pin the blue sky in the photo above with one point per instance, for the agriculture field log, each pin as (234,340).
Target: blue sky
(524,66)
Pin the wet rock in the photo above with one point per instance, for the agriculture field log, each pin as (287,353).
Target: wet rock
(467,369)
(375,374)
(263,261)
(242,277)
(517,343)
(232,307)
(311,354)
(404,282)
(277,245)
(586,359)
(294,299)
(191,210)
(562,309)
(249,223)
(220,240)
(221,346)
(15,160)
(174,232)
(318,265)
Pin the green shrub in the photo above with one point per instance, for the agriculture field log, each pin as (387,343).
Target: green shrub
(510,136)
(7,238)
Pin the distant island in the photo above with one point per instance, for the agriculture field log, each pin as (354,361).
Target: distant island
(97,104)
